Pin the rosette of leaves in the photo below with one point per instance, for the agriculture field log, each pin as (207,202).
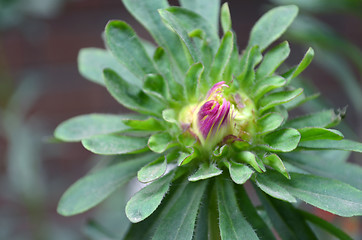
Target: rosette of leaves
(208,120)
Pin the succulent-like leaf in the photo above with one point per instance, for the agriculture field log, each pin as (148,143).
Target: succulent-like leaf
(153,170)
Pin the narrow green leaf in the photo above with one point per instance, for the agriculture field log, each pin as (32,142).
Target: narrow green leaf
(251,57)
(251,159)
(177,25)
(125,45)
(146,201)
(225,18)
(272,25)
(130,95)
(328,166)
(275,162)
(152,171)
(149,124)
(204,172)
(179,221)
(221,58)
(89,125)
(266,183)
(191,21)
(251,214)
(239,173)
(278,98)
(92,61)
(284,140)
(323,224)
(266,85)
(269,122)
(115,144)
(192,81)
(146,13)
(272,60)
(314,133)
(160,142)
(286,220)
(328,194)
(345,144)
(326,118)
(155,85)
(307,59)
(232,223)
(90,190)
(164,66)
(208,9)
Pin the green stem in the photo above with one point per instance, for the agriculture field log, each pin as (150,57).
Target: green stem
(214,231)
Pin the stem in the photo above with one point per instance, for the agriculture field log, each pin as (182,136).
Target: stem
(213,221)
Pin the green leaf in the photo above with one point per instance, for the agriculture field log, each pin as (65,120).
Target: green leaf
(328,194)
(149,124)
(160,142)
(327,166)
(146,201)
(146,13)
(164,66)
(326,118)
(278,98)
(125,45)
(152,171)
(250,213)
(307,59)
(192,81)
(204,172)
(225,18)
(232,223)
(239,173)
(323,224)
(131,96)
(191,21)
(251,159)
(170,115)
(272,25)
(269,122)
(266,183)
(92,189)
(92,61)
(286,220)
(251,57)
(272,60)
(314,133)
(177,25)
(156,86)
(284,140)
(89,125)
(222,58)
(275,162)
(266,85)
(115,144)
(208,9)
(179,221)
(345,144)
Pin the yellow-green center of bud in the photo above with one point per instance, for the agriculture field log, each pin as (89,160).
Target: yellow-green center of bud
(218,117)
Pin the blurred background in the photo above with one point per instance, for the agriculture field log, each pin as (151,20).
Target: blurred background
(40,87)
